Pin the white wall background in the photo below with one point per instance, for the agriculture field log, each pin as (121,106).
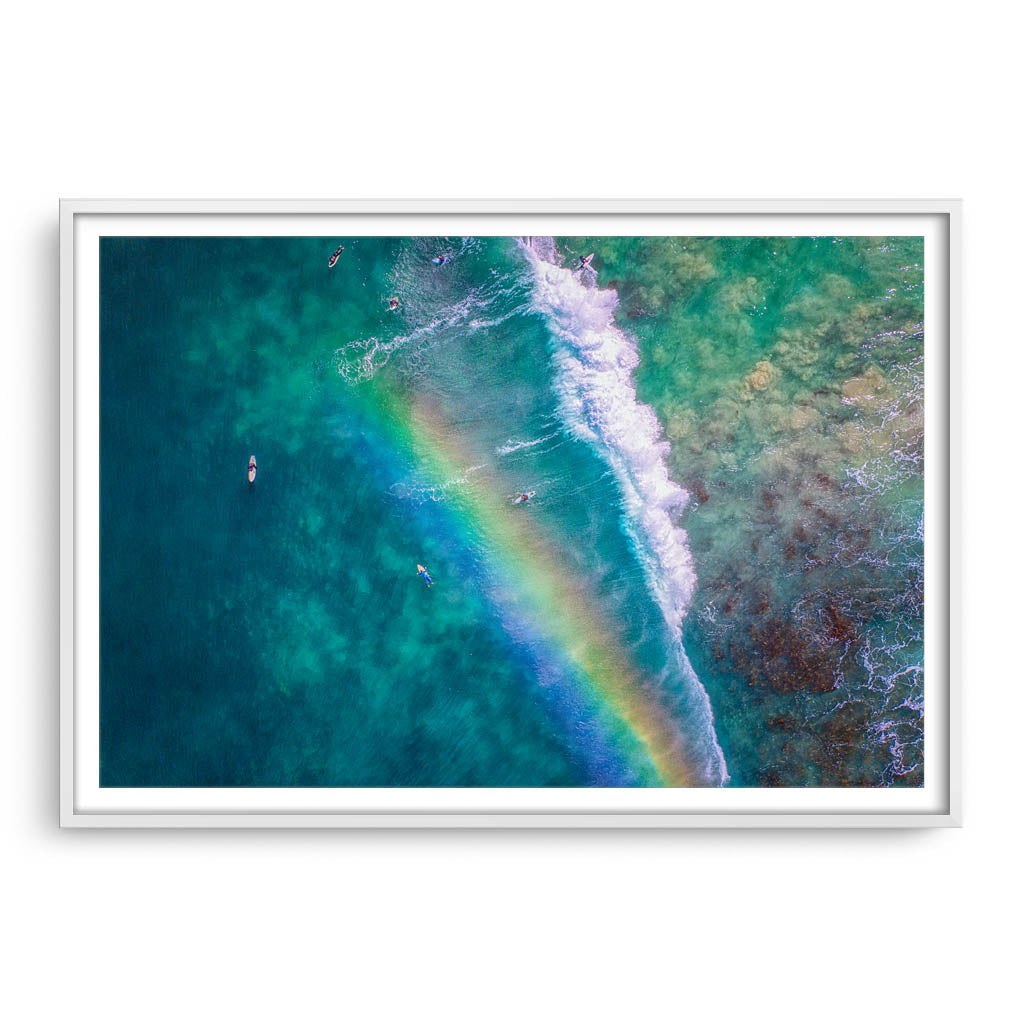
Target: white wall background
(530,99)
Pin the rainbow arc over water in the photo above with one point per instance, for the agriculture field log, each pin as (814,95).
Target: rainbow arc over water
(547,597)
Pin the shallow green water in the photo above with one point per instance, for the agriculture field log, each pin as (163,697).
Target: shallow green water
(788,373)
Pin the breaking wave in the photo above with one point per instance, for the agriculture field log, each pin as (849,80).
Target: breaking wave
(594,362)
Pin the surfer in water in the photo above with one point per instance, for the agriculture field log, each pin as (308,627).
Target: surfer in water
(524,497)
(585,262)
(393,302)
(252,469)
(441,260)
(422,571)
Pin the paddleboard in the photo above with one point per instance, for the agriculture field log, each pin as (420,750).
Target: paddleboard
(252,468)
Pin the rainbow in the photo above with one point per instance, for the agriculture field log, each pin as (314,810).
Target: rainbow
(555,606)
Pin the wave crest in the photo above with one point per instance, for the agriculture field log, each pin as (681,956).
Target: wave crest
(594,362)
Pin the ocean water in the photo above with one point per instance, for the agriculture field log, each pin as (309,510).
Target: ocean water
(717,582)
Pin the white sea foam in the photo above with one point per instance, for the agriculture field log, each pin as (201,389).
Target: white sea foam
(418,493)
(511,446)
(434,307)
(361,359)
(594,362)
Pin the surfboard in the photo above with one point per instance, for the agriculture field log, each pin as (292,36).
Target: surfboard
(252,468)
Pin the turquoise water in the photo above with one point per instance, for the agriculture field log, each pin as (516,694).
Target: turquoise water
(738,605)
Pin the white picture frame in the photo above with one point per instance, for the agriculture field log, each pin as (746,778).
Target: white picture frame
(938,803)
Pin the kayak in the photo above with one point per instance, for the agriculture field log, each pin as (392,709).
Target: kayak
(252,468)
(334,258)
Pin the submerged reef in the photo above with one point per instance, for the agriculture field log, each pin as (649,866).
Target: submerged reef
(788,375)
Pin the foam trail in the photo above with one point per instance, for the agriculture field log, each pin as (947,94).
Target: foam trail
(360,360)
(511,446)
(594,362)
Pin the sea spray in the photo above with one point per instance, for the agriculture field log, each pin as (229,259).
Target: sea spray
(594,362)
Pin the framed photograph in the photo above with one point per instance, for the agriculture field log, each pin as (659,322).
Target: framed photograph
(509,514)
